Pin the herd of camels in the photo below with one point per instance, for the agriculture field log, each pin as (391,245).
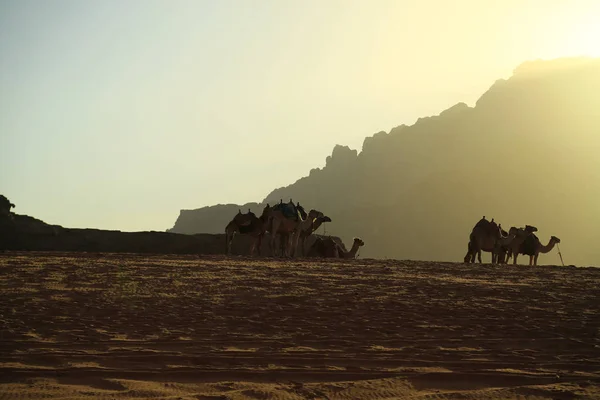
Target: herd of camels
(292,225)
(489,236)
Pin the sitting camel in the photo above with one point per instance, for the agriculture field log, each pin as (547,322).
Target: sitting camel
(532,247)
(247,224)
(483,237)
(329,248)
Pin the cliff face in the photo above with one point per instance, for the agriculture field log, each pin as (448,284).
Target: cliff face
(527,153)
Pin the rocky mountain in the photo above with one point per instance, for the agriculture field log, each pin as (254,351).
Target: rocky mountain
(528,152)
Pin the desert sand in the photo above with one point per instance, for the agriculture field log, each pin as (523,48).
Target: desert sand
(130,326)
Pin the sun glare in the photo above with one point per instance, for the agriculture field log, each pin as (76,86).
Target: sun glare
(582,41)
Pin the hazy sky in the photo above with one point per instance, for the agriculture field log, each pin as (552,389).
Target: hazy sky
(117,114)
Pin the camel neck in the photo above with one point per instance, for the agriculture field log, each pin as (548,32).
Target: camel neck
(548,247)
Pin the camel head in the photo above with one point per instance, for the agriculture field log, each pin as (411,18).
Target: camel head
(314,214)
(530,229)
(359,242)
(517,231)
(554,239)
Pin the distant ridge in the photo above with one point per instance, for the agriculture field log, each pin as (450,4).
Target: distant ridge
(527,153)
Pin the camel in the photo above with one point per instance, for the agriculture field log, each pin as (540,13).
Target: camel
(329,248)
(308,226)
(247,224)
(532,247)
(483,237)
(503,244)
(515,245)
(281,224)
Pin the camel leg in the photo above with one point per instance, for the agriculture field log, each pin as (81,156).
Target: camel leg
(301,245)
(530,261)
(479,256)
(472,253)
(293,244)
(535,259)
(228,239)
(468,257)
(259,243)
(290,245)
(274,229)
(256,243)
(284,239)
(267,243)
(515,255)
(281,247)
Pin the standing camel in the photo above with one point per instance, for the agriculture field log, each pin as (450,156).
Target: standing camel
(515,245)
(247,224)
(532,247)
(285,223)
(483,237)
(306,228)
(503,244)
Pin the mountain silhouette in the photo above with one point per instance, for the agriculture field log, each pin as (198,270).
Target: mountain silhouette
(528,152)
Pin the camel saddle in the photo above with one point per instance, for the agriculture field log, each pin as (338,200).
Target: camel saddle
(288,210)
(528,245)
(491,227)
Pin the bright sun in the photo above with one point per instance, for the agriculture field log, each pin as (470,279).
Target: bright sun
(583,37)
(586,42)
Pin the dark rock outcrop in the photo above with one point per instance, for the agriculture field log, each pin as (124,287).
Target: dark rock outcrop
(23,232)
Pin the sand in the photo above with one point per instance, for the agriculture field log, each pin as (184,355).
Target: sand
(129,326)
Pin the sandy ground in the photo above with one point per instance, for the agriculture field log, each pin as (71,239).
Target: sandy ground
(125,326)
